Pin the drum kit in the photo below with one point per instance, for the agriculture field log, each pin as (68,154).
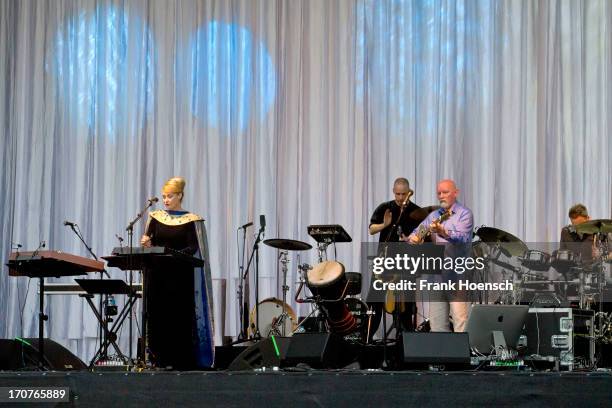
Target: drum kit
(528,268)
(334,293)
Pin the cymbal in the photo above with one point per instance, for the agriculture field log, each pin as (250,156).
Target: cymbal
(288,244)
(594,227)
(420,214)
(511,244)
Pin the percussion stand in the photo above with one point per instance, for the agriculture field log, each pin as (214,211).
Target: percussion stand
(304,269)
(603,250)
(322,248)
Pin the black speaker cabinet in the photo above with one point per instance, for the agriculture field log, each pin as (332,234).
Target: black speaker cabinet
(319,350)
(19,355)
(261,354)
(436,348)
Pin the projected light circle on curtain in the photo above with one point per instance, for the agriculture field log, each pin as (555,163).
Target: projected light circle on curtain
(232,76)
(104,64)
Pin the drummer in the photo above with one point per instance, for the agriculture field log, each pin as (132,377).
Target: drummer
(575,241)
(583,243)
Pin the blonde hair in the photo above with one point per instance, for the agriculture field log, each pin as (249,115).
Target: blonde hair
(175,185)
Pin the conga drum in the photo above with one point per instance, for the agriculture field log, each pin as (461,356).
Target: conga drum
(327,282)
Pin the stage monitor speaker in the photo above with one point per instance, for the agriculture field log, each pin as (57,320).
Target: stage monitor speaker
(261,354)
(319,350)
(23,354)
(224,355)
(436,348)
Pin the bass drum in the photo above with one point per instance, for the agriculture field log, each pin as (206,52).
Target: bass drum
(270,310)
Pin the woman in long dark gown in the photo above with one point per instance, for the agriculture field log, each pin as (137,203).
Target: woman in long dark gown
(178,297)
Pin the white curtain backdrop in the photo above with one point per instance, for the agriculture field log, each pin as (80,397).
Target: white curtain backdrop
(304,111)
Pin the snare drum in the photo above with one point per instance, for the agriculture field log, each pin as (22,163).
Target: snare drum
(328,283)
(536,260)
(270,310)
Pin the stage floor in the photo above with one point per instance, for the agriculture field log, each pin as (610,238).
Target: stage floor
(327,388)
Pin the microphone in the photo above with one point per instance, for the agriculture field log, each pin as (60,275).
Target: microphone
(153,200)
(68,223)
(262,223)
(247,225)
(410,194)
(41,245)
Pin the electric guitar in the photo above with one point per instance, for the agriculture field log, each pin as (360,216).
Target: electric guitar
(394,298)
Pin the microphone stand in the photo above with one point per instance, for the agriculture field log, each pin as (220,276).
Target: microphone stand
(42,317)
(242,306)
(397,308)
(255,252)
(78,234)
(130,231)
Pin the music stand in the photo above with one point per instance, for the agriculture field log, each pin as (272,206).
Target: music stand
(108,287)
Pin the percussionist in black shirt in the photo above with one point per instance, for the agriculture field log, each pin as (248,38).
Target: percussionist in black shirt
(391,220)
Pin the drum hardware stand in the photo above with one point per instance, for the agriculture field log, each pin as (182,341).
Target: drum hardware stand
(314,309)
(603,246)
(311,300)
(284,260)
(322,249)
(600,242)
(496,252)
